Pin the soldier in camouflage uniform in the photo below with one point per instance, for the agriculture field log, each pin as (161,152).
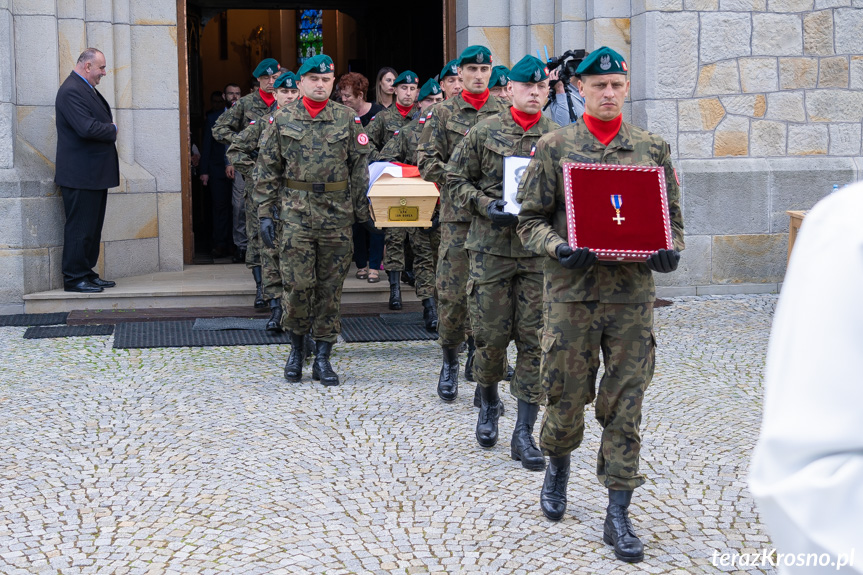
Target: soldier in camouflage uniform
(402,147)
(313,164)
(592,308)
(243,153)
(248,110)
(450,82)
(504,292)
(444,129)
(381,130)
(498,83)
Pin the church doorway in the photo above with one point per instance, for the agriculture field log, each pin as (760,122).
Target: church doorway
(224,40)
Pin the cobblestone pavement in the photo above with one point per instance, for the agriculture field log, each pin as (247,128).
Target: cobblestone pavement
(204,460)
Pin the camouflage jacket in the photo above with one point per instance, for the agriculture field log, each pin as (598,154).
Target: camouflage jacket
(444,129)
(243,151)
(542,220)
(384,126)
(475,178)
(234,119)
(318,163)
(402,147)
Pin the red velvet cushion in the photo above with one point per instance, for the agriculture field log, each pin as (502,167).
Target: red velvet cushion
(590,212)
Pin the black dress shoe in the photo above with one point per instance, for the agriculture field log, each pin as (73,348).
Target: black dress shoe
(82,286)
(97,281)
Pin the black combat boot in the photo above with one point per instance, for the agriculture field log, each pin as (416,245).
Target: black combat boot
(618,530)
(489,412)
(552,499)
(409,278)
(447,385)
(321,368)
(294,365)
(274,325)
(395,290)
(309,343)
(259,288)
(468,364)
(522,446)
(477,401)
(430,313)
(510,372)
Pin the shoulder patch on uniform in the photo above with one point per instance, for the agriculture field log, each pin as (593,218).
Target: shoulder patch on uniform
(422,120)
(251,122)
(373,118)
(396,133)
(357,120)
(271,119)
(533,150)
(362,139)
(429,115)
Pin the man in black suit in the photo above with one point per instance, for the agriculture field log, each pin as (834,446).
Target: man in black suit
(87,165)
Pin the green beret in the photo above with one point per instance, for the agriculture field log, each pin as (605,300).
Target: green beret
(499,77)
(320,64)
(451,69)
(406,77)
(267,67)
(475,55)
(286,80)
(602,61)
(529,69)
(430,88)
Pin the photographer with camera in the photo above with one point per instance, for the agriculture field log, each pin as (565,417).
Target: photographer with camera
(565,104)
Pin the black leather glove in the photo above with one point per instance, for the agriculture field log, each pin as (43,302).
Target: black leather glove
(435,221)
(663,261)
(268,232)
(500,217)
(369,226)
(574,259)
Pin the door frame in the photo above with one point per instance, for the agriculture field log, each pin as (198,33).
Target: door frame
(449,52)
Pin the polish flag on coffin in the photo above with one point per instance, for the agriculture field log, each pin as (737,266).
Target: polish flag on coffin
(394,169)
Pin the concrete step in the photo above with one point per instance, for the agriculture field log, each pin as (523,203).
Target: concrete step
(197,286)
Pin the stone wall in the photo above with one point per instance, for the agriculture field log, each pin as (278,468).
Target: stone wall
(761,101)
(39,43)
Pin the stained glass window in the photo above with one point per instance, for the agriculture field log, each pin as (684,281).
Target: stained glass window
(310,36)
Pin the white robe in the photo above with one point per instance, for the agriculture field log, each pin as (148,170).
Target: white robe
(807,468)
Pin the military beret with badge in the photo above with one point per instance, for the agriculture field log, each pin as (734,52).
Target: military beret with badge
(406,77)
(499,77)
(602,61)
(287,80)
(430,88)
(451,69)
(529,69)
(267,67)
(320,64)
(475,55)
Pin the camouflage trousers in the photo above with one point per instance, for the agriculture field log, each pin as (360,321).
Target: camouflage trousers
(574,334)
(314,267)
(453,269)
(394,256)
(253,227)
(270,266)
(504,297)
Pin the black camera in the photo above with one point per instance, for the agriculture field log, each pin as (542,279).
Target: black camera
(568,63)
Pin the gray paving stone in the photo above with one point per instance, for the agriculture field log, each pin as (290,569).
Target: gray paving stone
(206,461)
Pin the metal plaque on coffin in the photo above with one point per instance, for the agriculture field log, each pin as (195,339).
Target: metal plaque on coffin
(619,212)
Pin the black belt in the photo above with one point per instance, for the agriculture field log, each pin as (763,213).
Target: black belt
(318,186)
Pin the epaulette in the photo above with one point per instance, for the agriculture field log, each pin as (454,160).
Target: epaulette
(357,120)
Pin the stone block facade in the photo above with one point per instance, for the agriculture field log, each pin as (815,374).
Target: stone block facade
(40,41)
(761,103)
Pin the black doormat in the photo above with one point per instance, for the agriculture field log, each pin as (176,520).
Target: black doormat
(182,334)
(67,331)
(22,319)
(359,329)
